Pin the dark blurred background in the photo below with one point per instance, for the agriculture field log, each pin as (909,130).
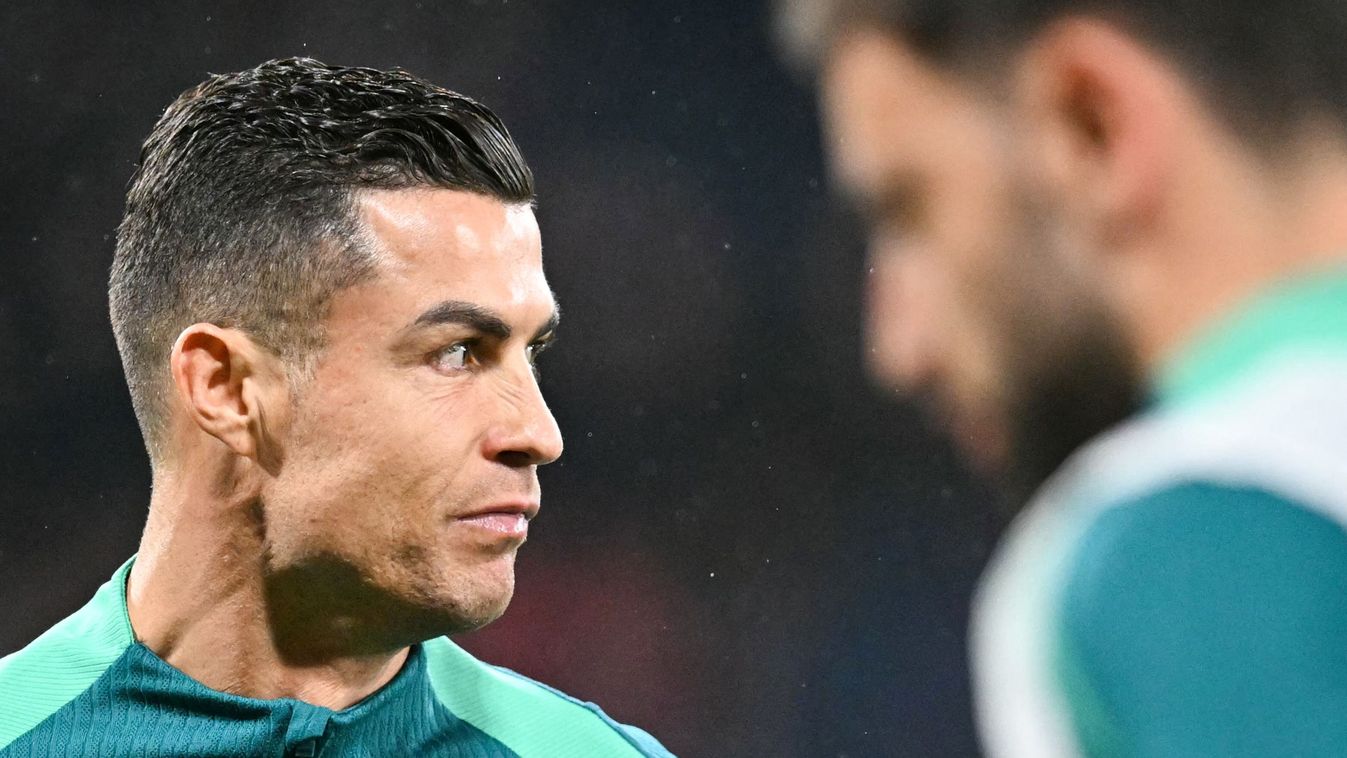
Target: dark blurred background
(747,549)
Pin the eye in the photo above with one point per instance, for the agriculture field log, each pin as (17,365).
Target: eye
(452,358)
(534,351)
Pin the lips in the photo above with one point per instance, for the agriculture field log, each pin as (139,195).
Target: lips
(505,524)
(526,508)
(508,519)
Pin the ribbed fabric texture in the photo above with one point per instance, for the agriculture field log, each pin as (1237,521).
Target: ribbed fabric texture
(141,706)
(534,720)
(86,688)
(59,665)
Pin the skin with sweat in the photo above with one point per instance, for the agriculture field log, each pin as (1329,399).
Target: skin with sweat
(304,533)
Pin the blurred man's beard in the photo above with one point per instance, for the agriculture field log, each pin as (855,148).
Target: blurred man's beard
(1059,405)
(1069,372)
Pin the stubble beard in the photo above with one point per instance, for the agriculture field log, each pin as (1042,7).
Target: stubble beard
(326,606)
(1069,372)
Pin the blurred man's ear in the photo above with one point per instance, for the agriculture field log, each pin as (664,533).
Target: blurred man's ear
(232,389)
(1105,116)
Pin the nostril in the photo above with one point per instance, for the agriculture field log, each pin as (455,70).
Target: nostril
(515,458)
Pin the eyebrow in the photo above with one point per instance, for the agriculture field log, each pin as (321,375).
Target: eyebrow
(481,319)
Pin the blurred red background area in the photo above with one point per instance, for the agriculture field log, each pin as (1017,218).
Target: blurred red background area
(592,624)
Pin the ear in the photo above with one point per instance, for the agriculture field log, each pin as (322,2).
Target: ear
(231,388)
(1105,114)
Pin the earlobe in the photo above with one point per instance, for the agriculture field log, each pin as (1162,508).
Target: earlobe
(215,372)
(265,393)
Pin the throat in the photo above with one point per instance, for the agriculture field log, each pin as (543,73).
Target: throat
(232,658)
(232,631)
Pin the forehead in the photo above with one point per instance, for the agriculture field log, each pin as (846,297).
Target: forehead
(438,244)
(891,111)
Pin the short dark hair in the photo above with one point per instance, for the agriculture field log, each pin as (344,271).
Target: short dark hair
(242,212)
(1268,67)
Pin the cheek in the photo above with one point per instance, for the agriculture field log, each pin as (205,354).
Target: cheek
(412,416)
(976,343)
(1028,298)
(365,462)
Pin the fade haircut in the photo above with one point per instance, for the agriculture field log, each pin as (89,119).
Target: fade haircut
(243,210)
(1269,68)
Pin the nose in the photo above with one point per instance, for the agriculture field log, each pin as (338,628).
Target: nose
(902,336)
(525,433)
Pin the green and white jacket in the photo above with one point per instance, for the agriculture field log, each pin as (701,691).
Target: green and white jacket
(1179,587)
(87,687)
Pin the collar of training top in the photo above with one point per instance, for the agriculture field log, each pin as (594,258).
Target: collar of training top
(1303,315)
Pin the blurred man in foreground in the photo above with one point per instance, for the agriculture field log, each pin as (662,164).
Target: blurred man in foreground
(1081,210)
(328,296)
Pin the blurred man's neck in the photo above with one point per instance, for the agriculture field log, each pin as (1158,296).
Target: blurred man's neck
(1237,229)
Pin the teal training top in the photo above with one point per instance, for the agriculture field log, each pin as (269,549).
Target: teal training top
(1208,620)
(1180,587)
(87,688)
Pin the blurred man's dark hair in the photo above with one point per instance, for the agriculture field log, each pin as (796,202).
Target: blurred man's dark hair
(242,213)
(1270,68)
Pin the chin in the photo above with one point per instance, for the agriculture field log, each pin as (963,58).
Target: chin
(474,601)
(472,615)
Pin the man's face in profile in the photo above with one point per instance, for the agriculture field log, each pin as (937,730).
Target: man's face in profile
(410,463)
(974,300)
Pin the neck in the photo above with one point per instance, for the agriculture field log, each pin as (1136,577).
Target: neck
(200,598)
(1252,227)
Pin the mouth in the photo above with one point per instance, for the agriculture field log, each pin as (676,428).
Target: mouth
(976,435)
(507,519)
